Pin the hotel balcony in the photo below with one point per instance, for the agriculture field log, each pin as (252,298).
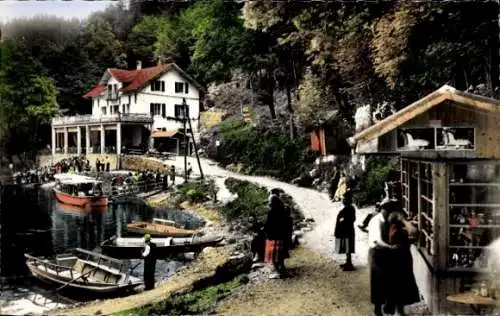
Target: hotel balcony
(77,120)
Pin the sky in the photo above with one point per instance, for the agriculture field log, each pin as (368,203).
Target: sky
(12,9)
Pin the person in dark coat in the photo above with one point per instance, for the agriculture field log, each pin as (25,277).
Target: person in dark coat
(403,289)
(97,165)
(148,254)
(258,244)
(276,230)
(379,256)
(334,181)
(107,165)
(344,232)
(172,174)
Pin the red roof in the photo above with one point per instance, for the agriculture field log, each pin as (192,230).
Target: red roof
(131,79)
(95,91)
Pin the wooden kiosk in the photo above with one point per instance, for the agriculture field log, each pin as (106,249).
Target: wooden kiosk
(449,144)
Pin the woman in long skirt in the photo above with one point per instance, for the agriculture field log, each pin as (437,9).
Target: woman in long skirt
(403,289)
(275,229)
(344,232)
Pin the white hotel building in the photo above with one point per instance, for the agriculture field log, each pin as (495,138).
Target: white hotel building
(132,108)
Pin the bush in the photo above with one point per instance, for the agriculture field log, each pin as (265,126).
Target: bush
(194,192)
(264,151)
(251,200)
(370,187)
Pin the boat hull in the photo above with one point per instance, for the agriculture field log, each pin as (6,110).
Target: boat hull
(134,228)
(161,252)
(81,201)
(93,287)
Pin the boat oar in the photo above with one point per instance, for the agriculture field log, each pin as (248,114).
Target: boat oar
(73,280)
(133,268)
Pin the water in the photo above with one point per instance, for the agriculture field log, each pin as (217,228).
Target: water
(32,221)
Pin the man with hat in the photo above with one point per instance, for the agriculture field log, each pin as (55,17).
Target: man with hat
(149,255)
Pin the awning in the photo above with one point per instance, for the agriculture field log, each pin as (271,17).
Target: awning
(168,134)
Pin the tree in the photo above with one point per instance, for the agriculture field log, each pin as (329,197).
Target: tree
(101,44)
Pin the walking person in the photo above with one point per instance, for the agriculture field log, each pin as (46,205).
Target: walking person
(107,164)
(97,165)
(276,231)
(344,232)
(148,254)
(403,289)
(334,181)
(172,174)
(189,170)
(341,187)
(379,255)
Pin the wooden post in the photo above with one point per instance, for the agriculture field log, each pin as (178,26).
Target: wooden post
(185,142)
(194,142)
(441,212)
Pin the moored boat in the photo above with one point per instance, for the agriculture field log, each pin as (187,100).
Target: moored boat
(159,228)
(131,248)
(79,191)
(85,270)
(79,210)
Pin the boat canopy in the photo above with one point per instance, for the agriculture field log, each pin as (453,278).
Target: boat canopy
(74,179)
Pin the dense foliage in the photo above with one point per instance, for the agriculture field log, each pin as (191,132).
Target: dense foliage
(251,200)
(370,188)
(267,151)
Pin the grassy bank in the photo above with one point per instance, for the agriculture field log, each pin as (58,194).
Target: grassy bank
(189,303)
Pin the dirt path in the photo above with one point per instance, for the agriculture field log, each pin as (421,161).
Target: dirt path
(318,287)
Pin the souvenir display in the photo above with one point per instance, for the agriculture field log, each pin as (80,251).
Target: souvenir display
(474,206)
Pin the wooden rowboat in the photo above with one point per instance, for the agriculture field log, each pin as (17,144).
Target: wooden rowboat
(159,228)
(79,191)
(131,248)
(86,270)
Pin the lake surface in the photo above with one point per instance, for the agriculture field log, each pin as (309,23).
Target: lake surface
(34,222)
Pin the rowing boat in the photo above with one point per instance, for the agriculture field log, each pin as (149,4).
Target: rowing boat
(84,270)
(131,248)
(159,228)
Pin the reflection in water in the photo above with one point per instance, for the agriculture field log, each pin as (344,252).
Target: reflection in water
(38,224)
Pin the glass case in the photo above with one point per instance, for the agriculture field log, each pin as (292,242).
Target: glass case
(405,187)
(474,213)
(426,219)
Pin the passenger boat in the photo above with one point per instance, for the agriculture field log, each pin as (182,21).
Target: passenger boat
(159,228)
(79,190)
(85,270)
(131,248)
(80,210)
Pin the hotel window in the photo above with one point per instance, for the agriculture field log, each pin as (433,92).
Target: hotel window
(128,108)
(179,112)
(129,99)
(163,110)
(186,87)
(103,110)
(179,87)
(158,85)
(135,97)
(123,108)
(155,108)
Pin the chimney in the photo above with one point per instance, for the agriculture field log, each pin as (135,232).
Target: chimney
(139,64)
